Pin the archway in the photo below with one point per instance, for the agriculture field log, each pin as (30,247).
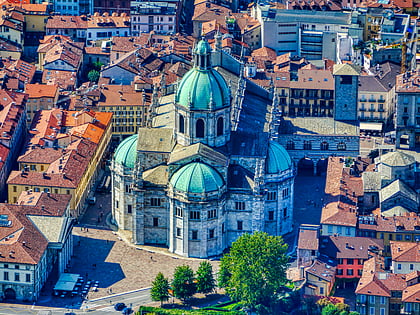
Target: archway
(9,294)
(321,167)
(306,167)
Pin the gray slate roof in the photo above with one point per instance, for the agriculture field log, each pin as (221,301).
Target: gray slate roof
(371,181)
(396,158)
(197,149)
(155,140)
(397,186)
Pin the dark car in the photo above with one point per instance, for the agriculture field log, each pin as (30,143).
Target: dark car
(127,311)
(119,307)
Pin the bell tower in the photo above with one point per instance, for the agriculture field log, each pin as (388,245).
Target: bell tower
(346,80)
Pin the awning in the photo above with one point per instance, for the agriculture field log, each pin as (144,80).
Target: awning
(371,126)
(67,282)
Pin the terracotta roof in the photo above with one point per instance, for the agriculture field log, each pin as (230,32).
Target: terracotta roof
(66,22)
(108,21)
(322,270)
(409,222)
(405,251)
(20,242)
(13,106)
(4,154)
(68,52)
(313,79)
(207,11)
(308,239)
(41,90)
(411,294)
(264,53)
(350,247)
(95,51)
(42,203)
(38,155)
(66,80)
(9,46)
(34,7)
(122,95)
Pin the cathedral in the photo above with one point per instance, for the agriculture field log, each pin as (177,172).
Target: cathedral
(208,169)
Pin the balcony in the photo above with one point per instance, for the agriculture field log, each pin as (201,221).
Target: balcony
(372,100)
(371,109)
(363,109)
(381,110)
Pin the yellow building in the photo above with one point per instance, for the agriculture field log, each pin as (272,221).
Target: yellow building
(35,16)
(64,155)
(40,97)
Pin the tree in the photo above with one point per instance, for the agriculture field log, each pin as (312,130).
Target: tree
(254,270)
(93,76)
(205,279)
(160,289)
(183,283)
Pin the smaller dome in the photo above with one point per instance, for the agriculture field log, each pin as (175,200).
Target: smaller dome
(126,152)
(202,48)
(278,160)
(198,178)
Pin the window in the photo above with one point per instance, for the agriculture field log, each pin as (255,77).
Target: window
(272,195)
(6,266)
(240,226)
(399,266)
(239,205)
(129,208)
(398,237)
(330,229)
(359,272)
(340,272)
(6,275)
(411,266)
(181,124)
(16,266)
(194,235)
(270,215)
(220,128)
(178,232)
(17,276)
(349,272)
(211,233)
(199,128)
(346,79)
(36,189)
(211,214)
(350,261)
(347,231)
(178,211)
(390,237)
(28,277)
(68,192)
(372,309)
(382,300)
(155,202)
(290,145)
(285,212)
(155,221)
(223,228)
(407,237)
(339,230)
(116,204)
(372,299)
(14,188)
(324,145)
(321,290)
(341,146)
(307,145)
(285,193)
(194,215)
(381,236)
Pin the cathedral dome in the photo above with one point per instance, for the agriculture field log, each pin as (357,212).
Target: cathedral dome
(126,152)
(278,160)
(198,178)
(203,88)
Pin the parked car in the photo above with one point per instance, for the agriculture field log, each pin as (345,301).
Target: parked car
(119,307)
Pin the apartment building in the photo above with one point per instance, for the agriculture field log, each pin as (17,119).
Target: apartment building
(405,257)
(40,97)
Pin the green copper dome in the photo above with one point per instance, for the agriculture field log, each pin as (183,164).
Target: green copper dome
(278,160)
(203,90)
(198,178)
(202,48)
(126,152)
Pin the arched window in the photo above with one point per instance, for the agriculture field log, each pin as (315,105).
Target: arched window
(220,126)
(199,128)
(324,145)
(181,124)
(290,145)
(341,146)
(307,145)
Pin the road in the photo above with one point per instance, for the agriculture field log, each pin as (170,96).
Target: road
(96,307)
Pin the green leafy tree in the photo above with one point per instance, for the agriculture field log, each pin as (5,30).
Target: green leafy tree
(204,277)
(160,289)
(93,76)
(97,65)
(183,283)
(254,270)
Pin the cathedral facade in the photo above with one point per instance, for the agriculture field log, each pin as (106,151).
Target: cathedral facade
(207,170)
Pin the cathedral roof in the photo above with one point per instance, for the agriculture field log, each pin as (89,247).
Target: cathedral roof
(202,90)
(126,152)
(197,178)
(278,160)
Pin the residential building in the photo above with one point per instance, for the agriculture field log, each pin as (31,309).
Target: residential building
(350,253)
(111,6)
(207,11)
(12,24)
(407,122)
(308,244)
(160,17)
(64,155)
(105,26)
(320,278)
(405,257)
(40,97)
(35,17)
(73,27)
(15,73)
(12,132)
(42,239)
